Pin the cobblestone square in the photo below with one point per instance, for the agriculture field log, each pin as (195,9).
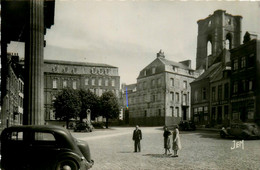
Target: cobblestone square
(112,149)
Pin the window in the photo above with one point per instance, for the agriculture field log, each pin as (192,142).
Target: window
(177,97)
(172,111)
(235,64)
(64,84)
(159,112)
(177,114)
(185,84)
(106,82)
(204,93)
(144,72)
(93,82)
(220,92)
(251,60)
(113,82)
(172,81)
(153,83)
(74,85)
(243,62)
(196,95)
(171,96)
(42,136)
(153,70)
(86,82)
(243,85)
(184,102)
(213,93)
(209,23)
(235,87)
(16,136)
(153,98)
(195,111)
(100,82)
(250,85)
(159,82)
(226,90)
(54,84)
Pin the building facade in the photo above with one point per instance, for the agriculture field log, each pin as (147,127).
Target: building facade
(12,105)
(98,78)
(161,95)
(228,90)
(245,75)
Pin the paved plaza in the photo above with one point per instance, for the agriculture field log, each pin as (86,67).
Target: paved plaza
(112,149)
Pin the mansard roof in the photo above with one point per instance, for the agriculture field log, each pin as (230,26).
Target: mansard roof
(73,63)
(160,63)
(210,72)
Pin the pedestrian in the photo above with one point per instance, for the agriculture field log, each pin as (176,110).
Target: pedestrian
(137,137)
(167,140)
(176,143)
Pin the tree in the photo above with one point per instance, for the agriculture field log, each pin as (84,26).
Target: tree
(109,106)
(90,101)
(67,105)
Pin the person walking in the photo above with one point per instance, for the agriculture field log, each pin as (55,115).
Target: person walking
(167,140)
(137,137)
(176,143)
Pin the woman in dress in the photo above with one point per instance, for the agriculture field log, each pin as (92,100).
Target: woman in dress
(176,143)
(167,140)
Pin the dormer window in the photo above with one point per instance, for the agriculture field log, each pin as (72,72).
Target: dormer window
(153,70)
(174,68)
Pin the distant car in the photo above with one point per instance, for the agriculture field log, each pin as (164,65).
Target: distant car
(187,125)
(241,131)
(83,126)
(43,147)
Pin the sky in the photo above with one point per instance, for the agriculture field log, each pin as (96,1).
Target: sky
(128,34)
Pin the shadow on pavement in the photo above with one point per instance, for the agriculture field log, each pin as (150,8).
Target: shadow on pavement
(126,152)
(158,155)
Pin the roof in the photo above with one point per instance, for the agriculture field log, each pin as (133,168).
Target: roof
(210,72)
(130,87)
(172,63)
(76,63)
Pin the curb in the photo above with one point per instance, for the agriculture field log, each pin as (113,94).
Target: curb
(209,129)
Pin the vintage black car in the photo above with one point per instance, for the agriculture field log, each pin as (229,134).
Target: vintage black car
(34,147)
(241,130)
(187,125)
(83,126)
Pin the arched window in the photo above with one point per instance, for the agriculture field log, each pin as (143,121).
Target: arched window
(209,48)
(228,41)
(209,45)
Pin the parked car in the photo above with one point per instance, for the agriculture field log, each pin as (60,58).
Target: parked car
(241,130)
(43,147)
(83,126)
(187,125)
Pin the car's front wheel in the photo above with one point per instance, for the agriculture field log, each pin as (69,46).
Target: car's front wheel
(222,134)
(66,165)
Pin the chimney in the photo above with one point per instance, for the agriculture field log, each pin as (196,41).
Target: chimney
(160,54)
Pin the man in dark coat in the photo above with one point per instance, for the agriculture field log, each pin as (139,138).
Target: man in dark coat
(137,137)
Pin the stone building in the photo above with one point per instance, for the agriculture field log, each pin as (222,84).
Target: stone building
(12,105)
(245,81)
(216,32)
(161,95)
(98,78)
